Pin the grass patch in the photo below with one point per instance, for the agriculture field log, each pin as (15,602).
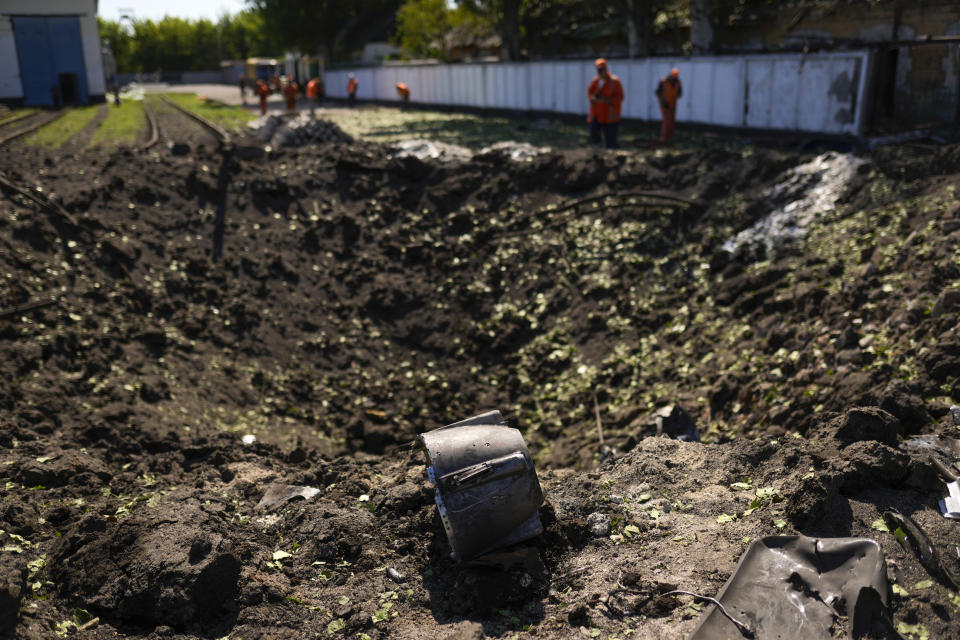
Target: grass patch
(124,124)
(225,115)
(63,128)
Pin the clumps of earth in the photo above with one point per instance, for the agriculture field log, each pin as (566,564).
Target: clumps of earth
(214,366)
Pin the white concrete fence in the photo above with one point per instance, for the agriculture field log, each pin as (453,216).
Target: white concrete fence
(822,92)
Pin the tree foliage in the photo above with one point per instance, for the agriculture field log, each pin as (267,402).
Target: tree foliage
(421,27)
(175,44)
(428,28)
(331,27)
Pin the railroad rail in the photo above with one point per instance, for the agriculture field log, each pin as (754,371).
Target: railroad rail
(154,129)
(227,150)
(218,131)
(18,117)
(33,126)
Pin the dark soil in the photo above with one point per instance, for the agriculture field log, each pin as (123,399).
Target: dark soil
(358,299)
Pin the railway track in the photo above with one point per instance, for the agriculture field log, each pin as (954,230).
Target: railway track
(161,119)
(20,117)
(162,124)
(27,123)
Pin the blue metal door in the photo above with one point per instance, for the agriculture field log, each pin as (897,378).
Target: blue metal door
(47,48)
(36,65)
(66,49)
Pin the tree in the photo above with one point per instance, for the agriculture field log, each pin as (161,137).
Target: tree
(176,44)
(639,23)
(331,27)
(701,26)
(119,41)
(421,26)
(504,16)
(242,36)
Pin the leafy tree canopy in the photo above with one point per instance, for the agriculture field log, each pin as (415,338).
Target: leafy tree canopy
(175,44)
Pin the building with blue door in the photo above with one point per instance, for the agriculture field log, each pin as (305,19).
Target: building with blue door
(50,53)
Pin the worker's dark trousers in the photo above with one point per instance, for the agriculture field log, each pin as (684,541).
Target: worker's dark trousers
(609,132)
(666,128)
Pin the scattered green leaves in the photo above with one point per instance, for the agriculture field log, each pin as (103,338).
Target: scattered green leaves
(913,631)
(879,525)
(384,613)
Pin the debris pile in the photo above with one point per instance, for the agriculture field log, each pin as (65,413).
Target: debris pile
(297,131)
(806,192)
(431,150)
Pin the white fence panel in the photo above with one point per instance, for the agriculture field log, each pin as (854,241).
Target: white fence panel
(812,100)
(540,80)
(784,88)
(817,92)
(758,93)
(636,93)
(729,82)
(366,89)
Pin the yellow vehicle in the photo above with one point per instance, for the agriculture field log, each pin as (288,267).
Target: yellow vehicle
(260,69)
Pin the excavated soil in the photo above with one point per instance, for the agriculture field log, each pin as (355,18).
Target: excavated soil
(334,300)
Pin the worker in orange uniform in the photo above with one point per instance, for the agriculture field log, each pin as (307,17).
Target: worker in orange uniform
(313,93)
(404,92)
(606,95)
(352,89)
(668,91)
(263,91)
(291,91)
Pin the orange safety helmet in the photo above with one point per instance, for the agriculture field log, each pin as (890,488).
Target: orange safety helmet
(600,62)
(674,73)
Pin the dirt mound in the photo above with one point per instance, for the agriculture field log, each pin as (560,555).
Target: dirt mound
(335,299)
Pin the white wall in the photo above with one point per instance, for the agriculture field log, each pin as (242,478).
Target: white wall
(92,57)
(10,86)
(821,92)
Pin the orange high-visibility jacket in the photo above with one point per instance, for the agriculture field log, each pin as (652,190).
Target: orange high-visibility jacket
(291,90)
(403,90)
(668,90)
(262,89)
(313,88)
(611,90)
(352,86)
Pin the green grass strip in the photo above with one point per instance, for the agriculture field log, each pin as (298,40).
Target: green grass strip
(227,116)
(124,124)
(63,128)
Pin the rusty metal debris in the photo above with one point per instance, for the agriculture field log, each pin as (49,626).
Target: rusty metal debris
(795,587)
(278,493)
(909,534)
(487,491)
